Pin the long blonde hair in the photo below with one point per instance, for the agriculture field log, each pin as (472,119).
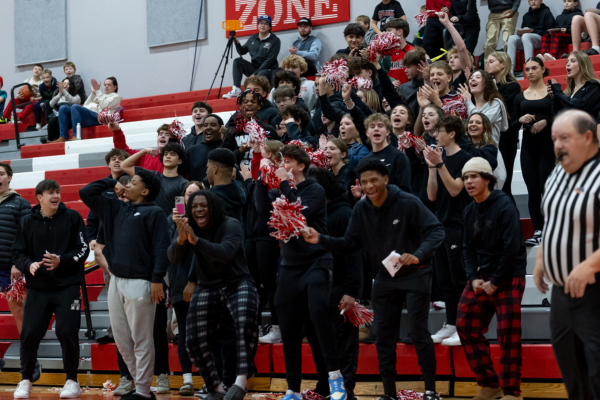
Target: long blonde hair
(372,99)
(506,75)
(587,71)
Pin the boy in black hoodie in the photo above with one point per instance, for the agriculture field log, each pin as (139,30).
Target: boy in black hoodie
(138,275)
(536,23)
(391,220)
(304,281)
(294,125)
(50,249)
(219,173)
(495,261)
(557,40)
(197,155)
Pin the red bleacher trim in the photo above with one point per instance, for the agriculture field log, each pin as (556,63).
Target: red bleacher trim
(8,327)
(95,278)
(43,150)
(538,362)
(78,176)
(3,347)
(4,305)
(79,207)
(67,192)
(527,227)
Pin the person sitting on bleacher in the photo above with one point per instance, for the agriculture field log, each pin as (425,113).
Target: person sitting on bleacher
(587,24)
(495,262)
(559,38)
(65,96)
(354,35)
(308,47)
(87,115)
(35,81)
(150,160)
(200,110)
(290,79)
(263,48)
(536,23)
(583,88)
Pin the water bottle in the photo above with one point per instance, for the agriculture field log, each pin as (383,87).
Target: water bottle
(78,131)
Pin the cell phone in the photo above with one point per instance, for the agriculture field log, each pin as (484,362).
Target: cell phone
(549,81)
(180,205)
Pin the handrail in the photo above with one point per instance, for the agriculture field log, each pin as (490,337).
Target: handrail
(14,110)
(90,332)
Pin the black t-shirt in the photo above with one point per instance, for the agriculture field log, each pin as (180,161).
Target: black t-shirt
(456,83)
(384,12)
(170,187)
(448,209)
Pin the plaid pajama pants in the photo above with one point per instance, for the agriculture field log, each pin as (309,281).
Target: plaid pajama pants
(475,311)
(556,43)
(204,316)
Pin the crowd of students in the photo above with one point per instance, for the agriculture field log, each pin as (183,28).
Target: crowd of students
(414,207)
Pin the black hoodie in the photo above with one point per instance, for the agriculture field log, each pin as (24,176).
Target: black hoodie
(402,224)
(348,267)
(219,258)
(540,20)
(337,103)
(267,112)
(233,199)
(136,235)
(397,164)
(235,137)
(256,225)
(62,234)
(565,19)
(197,158)
(494,246)
(297,252)
(179,271)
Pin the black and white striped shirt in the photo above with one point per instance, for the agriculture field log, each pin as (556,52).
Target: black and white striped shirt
(571,208)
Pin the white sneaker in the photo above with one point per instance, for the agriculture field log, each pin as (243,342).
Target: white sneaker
(125,386)
(535,240)
(38,126)
(274,336)
(71,390)
(235,92)
(439,305)
(162,384)
(444,333)
(453,340)
(23,389)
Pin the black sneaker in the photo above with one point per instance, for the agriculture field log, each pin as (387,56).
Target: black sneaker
(137,396)
(36,372)
(429,395)
(43,140)
(2,364)
(535,240)
(128,394)
(105,340)
(202,393)
(591,52)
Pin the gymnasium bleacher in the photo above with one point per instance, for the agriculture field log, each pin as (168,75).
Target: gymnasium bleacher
(75,163)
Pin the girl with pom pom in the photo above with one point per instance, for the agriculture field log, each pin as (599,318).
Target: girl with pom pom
(304,281)
(390,220)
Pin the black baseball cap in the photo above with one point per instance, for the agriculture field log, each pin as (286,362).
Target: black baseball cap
(305,21)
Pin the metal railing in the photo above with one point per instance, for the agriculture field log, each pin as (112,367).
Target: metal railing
(90,332)
(14,111)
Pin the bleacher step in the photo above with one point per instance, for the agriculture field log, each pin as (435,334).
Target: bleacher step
(52,349)
(47,363)
(51,334)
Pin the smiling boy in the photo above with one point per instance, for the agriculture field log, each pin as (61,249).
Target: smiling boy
(200,110)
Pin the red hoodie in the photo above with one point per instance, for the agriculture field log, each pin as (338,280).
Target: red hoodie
(437,5)
(147,161)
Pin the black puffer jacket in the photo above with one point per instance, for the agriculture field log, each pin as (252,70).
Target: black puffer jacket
(12,209)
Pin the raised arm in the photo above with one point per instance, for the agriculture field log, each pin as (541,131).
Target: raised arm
(91,195)
(463,53)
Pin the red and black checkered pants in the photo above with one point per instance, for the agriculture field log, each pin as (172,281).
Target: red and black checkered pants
(556,43)
(475,311)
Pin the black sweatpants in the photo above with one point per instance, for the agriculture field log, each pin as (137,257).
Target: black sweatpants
(161,345)
(243,68)
(508,148)
(263,257)
(181,309)
(347,344)
(65,304)
(575,333)
(433,40)
(450,270)
(537,162)
(389,296)
(469,33)
(303,293)
(224,350)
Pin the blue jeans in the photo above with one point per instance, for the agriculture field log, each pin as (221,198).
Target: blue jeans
(69,117)
(37,110)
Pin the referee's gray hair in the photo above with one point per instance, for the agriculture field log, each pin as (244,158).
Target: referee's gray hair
(582,122)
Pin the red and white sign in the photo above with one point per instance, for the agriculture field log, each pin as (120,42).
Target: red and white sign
(286,13)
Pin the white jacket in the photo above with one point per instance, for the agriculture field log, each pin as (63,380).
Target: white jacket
(97,101)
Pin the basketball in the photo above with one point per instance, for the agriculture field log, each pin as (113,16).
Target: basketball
(25,92)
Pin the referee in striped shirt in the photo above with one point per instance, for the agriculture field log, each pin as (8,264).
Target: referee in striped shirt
(569,254)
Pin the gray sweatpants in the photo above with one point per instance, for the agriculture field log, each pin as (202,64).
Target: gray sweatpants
(528,42)
(132,319)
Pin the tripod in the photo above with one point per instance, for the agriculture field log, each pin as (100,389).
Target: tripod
(226,55)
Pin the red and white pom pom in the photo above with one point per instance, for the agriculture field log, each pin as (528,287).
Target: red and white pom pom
(306,146)
(359,315)
(16,291)
(311,395)
(268,176)
(457,104)
(422,18)
(287,219)
(176,128)
(108,386)
(335,73)
(386,44)
(256,132)
(359,83)
(105,116)
(409,395)
(318,158)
